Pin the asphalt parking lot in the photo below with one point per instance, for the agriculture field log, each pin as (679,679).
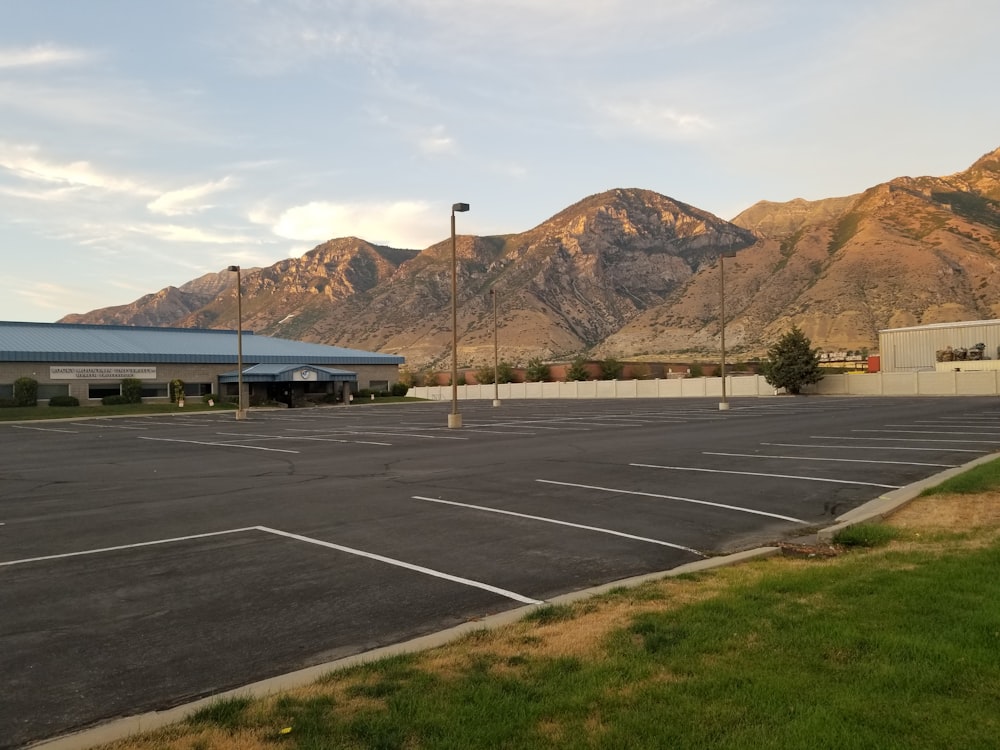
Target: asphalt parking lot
(148,561)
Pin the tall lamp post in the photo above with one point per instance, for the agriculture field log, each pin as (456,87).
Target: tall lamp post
(724,404)
(240,410)
(454,419)
(496,352)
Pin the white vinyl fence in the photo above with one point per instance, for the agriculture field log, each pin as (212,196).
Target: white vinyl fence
(927,383)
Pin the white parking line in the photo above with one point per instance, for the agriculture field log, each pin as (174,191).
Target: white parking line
(480,430)
(535,426)
(845,460)
(298,537)
(559,523)
(869,447)
(218,445)
(402,434)
(762,474)
(929,432)
(900,440)
(406,565)
(674,497)
(251,436)
(320,438)
(42,429)
(106,426)
(137,545)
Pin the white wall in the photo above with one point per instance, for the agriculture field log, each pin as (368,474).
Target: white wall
(925,383)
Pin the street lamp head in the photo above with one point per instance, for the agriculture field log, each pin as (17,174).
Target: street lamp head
(460,207)
(234,268)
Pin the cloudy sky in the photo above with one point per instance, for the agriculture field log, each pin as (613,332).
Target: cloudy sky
(143,144)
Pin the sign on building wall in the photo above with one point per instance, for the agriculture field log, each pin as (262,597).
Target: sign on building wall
(101,373)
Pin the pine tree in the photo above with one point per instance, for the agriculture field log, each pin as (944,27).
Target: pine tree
(792,362)
(537,371)
(578,370)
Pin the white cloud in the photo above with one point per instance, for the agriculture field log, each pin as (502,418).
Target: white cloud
(436,141)
(24,162)
(42,196)
(178,233)
(55,297)
(186,201)
(411,224)
(40,55)
(656,120)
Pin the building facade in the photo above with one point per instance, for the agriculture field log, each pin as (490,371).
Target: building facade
(90,361)
(915,348)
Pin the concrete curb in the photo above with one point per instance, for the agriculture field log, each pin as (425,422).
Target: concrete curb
(885,505)
(872,511)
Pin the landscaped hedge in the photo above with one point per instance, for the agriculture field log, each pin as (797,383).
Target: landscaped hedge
(64,401)
(132,390)
(25,392)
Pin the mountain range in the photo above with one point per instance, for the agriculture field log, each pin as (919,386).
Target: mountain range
(632,273)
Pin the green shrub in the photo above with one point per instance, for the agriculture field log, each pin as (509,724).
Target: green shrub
(25,392)
(64,401)
(211,397)
(7,403)
(866,535)
(364,393)
(407,377)
(537,371)
(132,390)
(578,370)
(611,369)
(176,390)
(505,373)
(116,400)
(399,389)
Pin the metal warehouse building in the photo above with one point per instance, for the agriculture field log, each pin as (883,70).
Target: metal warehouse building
(913,349)
(90,361)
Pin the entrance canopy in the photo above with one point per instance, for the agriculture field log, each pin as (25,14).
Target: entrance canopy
(267,373)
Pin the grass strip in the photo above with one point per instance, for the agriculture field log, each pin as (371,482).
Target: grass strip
(982,478)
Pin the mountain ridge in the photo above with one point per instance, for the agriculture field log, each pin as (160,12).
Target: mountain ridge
(631,272)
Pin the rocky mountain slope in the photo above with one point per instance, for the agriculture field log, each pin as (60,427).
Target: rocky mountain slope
(631,272)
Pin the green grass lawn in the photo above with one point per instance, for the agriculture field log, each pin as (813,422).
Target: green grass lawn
(892,646)
(20,413)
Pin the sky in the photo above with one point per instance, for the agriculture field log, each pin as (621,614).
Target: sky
(143,144)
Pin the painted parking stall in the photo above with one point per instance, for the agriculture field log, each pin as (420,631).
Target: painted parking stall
(212,553)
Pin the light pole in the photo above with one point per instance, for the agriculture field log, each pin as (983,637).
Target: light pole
(240,410)
(454,419)
(724,404)
(496,352)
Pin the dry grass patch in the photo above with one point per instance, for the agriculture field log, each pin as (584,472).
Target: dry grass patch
(950,513)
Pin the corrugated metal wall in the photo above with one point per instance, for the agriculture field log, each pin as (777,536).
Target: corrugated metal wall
(914,349)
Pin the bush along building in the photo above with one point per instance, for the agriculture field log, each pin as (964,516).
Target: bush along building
(91,362)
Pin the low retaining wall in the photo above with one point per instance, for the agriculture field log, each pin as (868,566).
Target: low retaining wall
(926,383)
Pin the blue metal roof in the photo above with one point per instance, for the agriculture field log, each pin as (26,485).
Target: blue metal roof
(70,342)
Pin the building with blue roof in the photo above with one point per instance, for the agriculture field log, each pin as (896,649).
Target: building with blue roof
(90,361)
